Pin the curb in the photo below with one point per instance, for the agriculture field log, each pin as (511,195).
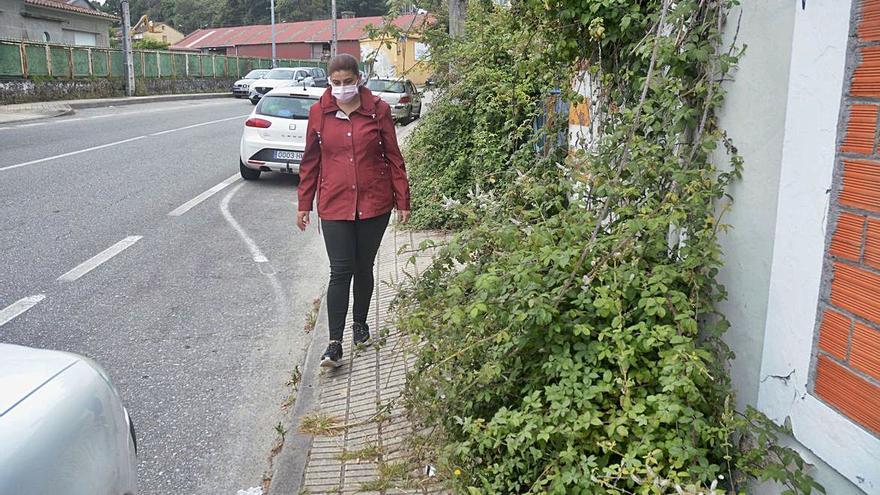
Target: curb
(61,113)
(72,105)
(134,100)
(291,462)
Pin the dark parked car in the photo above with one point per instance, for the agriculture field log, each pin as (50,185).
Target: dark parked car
(319,77)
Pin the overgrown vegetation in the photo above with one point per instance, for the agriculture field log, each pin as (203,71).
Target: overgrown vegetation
(571,341)
(150,44)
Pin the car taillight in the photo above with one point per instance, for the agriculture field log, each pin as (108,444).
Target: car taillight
(404,99)
(261,123)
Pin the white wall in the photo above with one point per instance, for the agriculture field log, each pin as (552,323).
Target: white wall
(816,77)
(14,25)
(759,83)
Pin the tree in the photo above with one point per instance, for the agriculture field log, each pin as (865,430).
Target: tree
(302,10)
(189,15)
(111,7)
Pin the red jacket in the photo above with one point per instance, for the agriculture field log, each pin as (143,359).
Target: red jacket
(353,165)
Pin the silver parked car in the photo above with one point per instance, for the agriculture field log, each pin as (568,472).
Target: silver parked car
(63,428)
(401,94)
(242,87)
(279,78)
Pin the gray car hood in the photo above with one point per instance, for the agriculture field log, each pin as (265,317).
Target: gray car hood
(23,370)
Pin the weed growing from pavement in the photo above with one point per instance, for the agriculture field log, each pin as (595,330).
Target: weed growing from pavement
(398,475)
(369,453)
(312,315)
(293,383)
(572,344)
(282,432)
(321,424)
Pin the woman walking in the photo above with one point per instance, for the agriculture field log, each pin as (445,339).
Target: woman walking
(352,163)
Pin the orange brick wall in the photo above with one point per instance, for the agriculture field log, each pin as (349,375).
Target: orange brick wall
(847,364)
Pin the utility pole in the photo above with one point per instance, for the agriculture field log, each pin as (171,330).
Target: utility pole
(333,34)
(457,13)
(126,50)
(272,6)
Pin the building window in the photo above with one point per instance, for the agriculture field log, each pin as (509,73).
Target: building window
(317,51)
(46,37)
(80,38)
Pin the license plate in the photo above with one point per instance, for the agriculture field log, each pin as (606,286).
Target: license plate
(288,155)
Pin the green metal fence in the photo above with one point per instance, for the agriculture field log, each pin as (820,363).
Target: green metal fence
(25,59)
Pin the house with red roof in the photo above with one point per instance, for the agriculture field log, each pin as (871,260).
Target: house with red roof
(310,40)
(71,22)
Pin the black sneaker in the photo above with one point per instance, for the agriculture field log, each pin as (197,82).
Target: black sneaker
(332,357)
(360,334)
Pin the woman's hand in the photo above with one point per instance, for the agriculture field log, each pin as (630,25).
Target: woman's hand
(302,219)
(403,216)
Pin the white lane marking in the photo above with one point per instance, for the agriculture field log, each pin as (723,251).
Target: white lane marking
(32,125)
(64,155)
(266,268)
(251,245)
(55,120)
(100,258)
(180,210)
(19,307)
(115,143)
(197,125)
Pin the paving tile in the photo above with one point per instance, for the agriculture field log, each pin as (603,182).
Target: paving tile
(352,391)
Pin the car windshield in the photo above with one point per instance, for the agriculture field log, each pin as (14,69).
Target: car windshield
(255,74)
(286,107)
(385,86)
(279,74)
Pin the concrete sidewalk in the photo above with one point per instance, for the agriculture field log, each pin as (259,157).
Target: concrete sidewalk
(366,427)
(23,112)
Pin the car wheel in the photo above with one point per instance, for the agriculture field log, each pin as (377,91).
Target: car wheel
(247,173)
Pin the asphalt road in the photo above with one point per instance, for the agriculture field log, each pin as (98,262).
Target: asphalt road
(198,317)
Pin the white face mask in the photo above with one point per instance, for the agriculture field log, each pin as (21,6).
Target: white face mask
(345,93)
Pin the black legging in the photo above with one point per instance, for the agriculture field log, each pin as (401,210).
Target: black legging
(352,248)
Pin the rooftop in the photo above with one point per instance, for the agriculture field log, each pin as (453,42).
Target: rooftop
(67,7)
(351,29)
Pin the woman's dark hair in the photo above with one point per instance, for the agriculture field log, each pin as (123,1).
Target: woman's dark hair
(343,61)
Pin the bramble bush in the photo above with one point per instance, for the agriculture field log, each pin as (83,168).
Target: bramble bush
(570,338)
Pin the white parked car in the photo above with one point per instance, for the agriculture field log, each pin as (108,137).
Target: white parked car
(274,135)
(242,87)
(63,428)
(280,77)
